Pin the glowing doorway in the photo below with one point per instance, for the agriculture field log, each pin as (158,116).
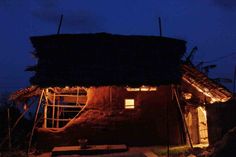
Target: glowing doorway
(202,125)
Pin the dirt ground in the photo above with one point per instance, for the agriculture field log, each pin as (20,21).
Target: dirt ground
(132,152)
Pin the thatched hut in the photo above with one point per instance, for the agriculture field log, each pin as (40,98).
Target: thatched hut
(118,89)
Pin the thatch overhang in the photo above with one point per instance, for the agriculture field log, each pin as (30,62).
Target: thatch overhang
(25,93)
(104,59)
(211,89)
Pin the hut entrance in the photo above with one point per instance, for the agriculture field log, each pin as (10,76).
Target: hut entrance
(196,120)
(202,125)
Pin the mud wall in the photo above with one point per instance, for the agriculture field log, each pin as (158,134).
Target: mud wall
(106,121)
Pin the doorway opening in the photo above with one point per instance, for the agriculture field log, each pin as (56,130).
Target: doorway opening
(202,125)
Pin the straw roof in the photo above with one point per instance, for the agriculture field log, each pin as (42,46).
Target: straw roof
(105,59)
(191,77)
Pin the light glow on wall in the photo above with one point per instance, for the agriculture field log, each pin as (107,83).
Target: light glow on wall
(142,88)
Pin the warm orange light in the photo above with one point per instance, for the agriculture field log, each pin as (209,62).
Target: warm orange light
(187,96)
(132,89)
(25,107)
(206,91)
(142,88)
(129,103)
(202,124)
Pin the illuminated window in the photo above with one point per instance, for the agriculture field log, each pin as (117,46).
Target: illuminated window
(142,88)
(129,103)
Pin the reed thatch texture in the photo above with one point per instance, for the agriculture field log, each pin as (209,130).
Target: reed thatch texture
(105,59)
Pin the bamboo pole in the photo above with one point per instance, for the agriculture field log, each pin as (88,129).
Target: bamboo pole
(58,114)
(168,129)
(9,128)
(59,27)
(183,119)
(35,119)
(60,119)
(53,109)
(77,96)
(15,124)
(45,112)
(66,106)
(234,80)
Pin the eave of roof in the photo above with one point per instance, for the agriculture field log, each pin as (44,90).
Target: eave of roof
(210,88)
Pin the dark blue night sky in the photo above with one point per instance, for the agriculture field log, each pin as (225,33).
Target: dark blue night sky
(208,24)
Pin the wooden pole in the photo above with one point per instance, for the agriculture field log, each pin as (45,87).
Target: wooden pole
(53,109)
(160,27)
(35,119)
(77,95)
(15,124)
(183,119)
(168,129)
(58,113)
(45,112)
(234,80)
(9,128)
(59,27)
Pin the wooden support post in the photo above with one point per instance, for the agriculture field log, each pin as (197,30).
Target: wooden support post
(9,128)
(183,119)
(77,97)
(45,112)
(58,113)
(15,124)
(35,119)
(160,27)
(53,109)
(59,27)
(168,130)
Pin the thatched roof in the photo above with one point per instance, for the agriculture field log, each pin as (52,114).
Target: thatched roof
(191,77)
(208,87)
(105,59)
(25,93)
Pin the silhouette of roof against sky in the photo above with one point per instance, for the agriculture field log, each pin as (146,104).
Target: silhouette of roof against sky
(210,25)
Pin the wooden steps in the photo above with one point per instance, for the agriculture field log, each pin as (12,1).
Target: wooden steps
(90,150)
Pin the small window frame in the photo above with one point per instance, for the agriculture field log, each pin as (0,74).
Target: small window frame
(129,104)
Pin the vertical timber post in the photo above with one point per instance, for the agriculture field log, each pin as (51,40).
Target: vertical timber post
(234,80)
(77,97)
(160,27)
(59,27)
(9,128)
(58,111)
(183,119)
(45,109)
(53,109)
(35,120)
(168,129)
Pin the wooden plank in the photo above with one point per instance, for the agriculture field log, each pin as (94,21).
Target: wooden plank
(53,109)
(65,120)
(67,106)
(91,149)
(45,109)
(58,115)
